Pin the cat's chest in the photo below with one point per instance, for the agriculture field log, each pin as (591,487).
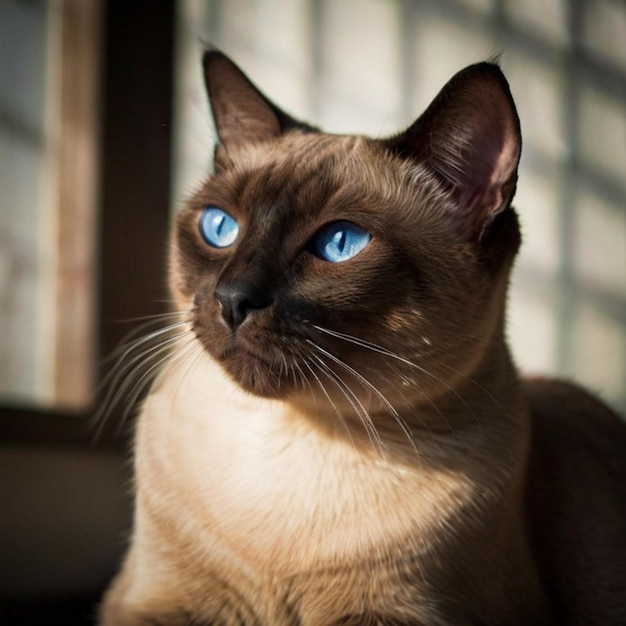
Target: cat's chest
(246,473)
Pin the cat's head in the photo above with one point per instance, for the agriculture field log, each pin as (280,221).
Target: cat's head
(368,272)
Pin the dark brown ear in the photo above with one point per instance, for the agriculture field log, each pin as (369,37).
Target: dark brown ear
(469,137)
(241,112)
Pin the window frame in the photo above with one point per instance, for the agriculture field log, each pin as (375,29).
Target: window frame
(134,123)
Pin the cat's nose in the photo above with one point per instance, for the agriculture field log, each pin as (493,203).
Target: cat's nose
(238,299)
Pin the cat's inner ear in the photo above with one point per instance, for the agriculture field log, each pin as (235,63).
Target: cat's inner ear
(242,114)
(470,138)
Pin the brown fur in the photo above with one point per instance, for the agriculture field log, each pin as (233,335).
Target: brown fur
(361,450)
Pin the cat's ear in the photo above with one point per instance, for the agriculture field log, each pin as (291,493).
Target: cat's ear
(241,112)
(469,137)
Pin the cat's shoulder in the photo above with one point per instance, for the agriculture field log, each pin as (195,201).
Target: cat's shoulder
(573,429)
(578,446)
(561,408)
(576,502)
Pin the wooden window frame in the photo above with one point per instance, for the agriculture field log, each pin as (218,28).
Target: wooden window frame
(134,119)
(131,176)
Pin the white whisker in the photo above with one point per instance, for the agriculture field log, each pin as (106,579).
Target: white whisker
(385,352)
(399,420)
(137,362)
(328,397)
(356,404)
(191,352)
(128,343)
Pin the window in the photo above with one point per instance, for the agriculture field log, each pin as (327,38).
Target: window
(48,141)
(85,190)
(65,497)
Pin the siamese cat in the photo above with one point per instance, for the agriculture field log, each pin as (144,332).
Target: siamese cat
(339,435)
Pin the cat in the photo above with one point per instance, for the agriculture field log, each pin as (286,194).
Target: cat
(340,435)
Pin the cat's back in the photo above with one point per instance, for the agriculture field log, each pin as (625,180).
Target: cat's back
(577,502)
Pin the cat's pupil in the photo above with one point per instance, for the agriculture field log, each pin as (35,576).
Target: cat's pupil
(340,239)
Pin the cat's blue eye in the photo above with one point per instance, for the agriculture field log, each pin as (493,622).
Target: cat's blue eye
(218,228)
(340,241)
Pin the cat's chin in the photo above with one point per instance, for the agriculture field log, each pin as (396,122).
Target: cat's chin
(257,374)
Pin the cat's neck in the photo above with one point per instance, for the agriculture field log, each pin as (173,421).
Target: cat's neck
(203,441)
(485,400)
(472,411)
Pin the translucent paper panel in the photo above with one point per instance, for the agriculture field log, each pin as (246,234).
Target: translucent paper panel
(539,94)
(536,202)
(599,354)
(361,88)
(441,48)
(545,19)
(602,133)
(605,30)
(532,329)
(600,244)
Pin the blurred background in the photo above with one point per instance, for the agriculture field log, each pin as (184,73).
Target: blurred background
(104,129)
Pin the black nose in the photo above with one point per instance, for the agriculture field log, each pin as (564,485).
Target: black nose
(238,299)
